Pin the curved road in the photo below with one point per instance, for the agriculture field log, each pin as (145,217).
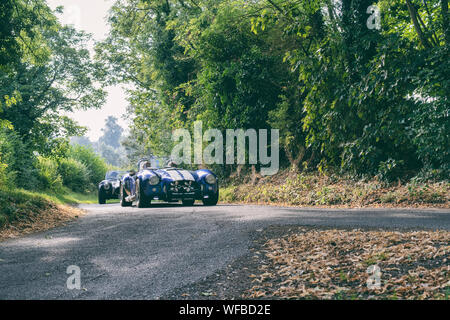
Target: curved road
(131,253)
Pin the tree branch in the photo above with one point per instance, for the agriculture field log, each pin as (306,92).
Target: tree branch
(445,24)
(276,6)
(413,15)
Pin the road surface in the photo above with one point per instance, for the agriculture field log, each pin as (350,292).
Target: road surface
(131,253)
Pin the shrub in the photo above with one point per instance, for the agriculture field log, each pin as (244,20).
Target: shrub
(95,165)
(6,158)
(3,177)
(74,174)
(18,161)
(48,176)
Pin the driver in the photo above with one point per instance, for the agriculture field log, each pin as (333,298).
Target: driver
(172,164)
(113,175)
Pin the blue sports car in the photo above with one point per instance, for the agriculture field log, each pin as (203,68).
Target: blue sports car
(168,184)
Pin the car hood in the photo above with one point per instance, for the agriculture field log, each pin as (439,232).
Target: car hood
(176,174)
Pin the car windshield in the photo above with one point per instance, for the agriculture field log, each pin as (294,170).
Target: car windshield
(113,175)
(153,162)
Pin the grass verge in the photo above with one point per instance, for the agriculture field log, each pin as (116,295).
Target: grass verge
(302,189)
(23,212)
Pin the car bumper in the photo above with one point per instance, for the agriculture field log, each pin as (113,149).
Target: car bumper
(164,193)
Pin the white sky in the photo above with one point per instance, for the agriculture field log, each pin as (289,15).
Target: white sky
(90,16)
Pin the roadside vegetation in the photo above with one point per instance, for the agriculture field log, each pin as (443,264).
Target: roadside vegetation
(349,98)
(53,184)
(23,212)
(363,112)
(45,72)
(313,189)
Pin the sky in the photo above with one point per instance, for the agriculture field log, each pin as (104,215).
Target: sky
(90,16)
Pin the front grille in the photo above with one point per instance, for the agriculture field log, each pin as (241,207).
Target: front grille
(184,186)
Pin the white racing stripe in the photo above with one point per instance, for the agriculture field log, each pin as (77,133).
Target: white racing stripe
(178,175)
(174,175)
(186,175)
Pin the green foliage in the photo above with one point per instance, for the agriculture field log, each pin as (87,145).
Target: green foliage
(136,146)
(48,175)
(80,170)
(45,70)
(430,119)
(94,164)
(74,175)
(20,168)
(77,168)
(63,82)
(345,97)
(6,158)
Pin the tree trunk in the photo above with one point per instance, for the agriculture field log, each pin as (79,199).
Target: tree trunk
(415,21)
(312,158)
(295,162)
(238,170)
(255,175)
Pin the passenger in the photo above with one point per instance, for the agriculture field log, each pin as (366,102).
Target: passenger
(145,165)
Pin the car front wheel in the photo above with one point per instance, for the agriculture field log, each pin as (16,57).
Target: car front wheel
(212,201)
(101,197)
(141,199)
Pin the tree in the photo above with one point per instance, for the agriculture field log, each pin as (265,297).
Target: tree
(109,143)
(142,50)
(82,141)
(45,70)
(112,133)
(136,146)
(64,83)
(345,97)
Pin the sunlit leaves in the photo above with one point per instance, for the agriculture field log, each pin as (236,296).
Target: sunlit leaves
(343,95)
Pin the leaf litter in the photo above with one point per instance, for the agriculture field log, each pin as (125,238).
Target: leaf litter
(333,264)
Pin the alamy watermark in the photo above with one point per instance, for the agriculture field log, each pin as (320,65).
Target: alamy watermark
(74,280)
(233,151)
(374,21)
(374,280)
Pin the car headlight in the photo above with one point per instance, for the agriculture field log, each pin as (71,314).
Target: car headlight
(210,179)
(154,180)
(106,186)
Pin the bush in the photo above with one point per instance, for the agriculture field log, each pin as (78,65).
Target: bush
(6,158)
(48,175)
(430,128)
(95,165)
(74,175)
(18,161)
(3,173)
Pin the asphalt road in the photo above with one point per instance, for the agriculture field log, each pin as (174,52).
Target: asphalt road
(131,253)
